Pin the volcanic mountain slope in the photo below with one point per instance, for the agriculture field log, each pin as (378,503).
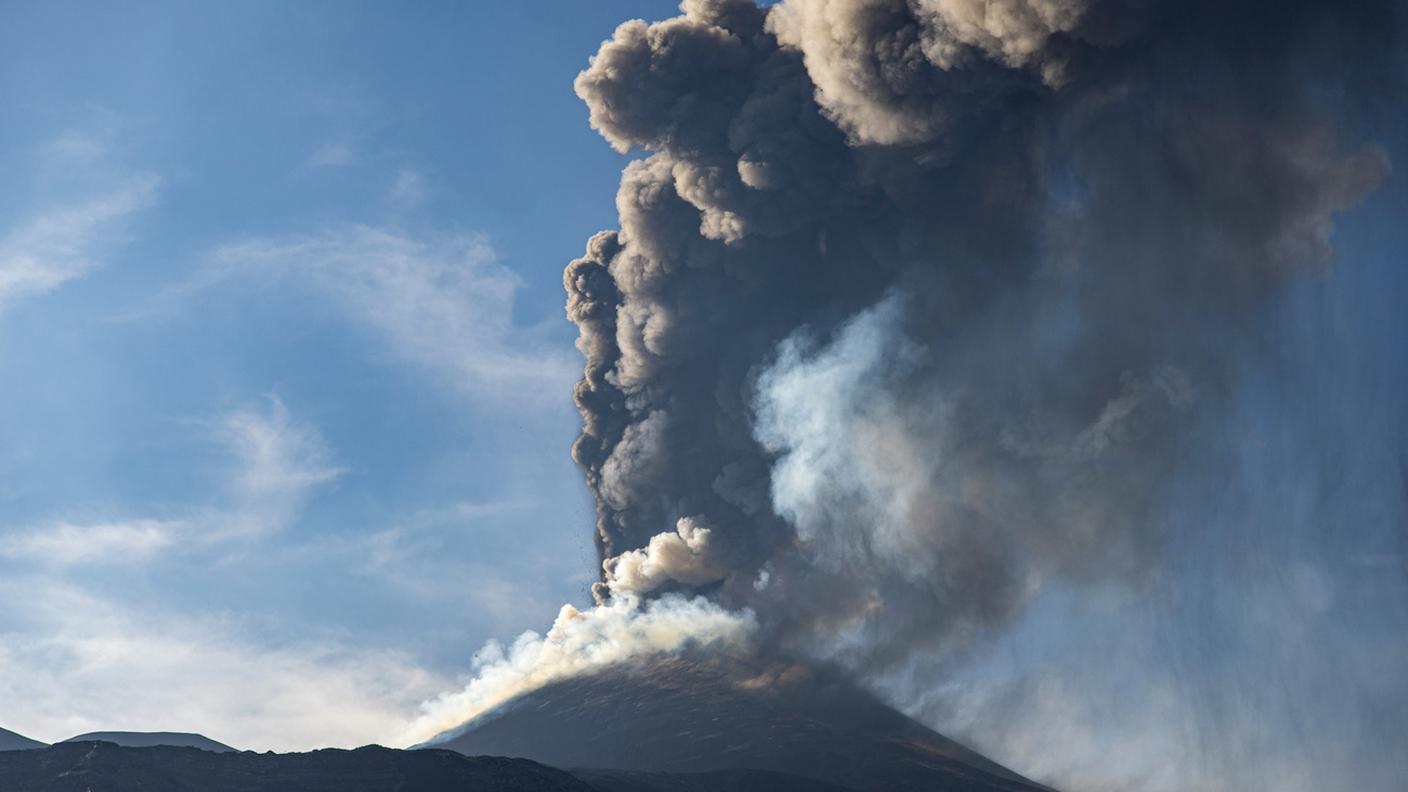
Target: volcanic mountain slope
(688,716)
(716,781)
(9,741)
(81,767)
(154,739)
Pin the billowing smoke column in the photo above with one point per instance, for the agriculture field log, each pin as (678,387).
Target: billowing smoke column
(917,307)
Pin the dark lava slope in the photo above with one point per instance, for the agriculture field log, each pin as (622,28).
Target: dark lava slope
(105,767)
(716,781)
(681,716)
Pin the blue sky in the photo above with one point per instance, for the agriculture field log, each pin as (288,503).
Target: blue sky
(286,416)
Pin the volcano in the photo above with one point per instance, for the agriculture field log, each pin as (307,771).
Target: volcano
(708,716)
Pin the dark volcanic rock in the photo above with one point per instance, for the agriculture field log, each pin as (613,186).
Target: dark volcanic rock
(681,716)
(153,739)
(9,741)
(717,781)
(104,767)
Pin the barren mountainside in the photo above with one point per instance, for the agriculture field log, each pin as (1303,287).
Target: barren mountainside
(680,716)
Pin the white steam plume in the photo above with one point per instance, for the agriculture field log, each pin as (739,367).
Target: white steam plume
(581,642)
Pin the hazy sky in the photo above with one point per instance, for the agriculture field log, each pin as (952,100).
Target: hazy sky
(263,471)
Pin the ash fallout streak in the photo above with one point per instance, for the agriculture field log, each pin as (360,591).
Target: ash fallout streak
(920,309)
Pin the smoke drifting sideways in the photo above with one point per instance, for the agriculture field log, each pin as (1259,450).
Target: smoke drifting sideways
(923,315)
(579,643)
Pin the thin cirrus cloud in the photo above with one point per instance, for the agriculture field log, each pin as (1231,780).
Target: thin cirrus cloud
(71,662)
(408,189)
(417,561)
(443,302)
(275,464)
(69,544)
(334,154)
(51,248)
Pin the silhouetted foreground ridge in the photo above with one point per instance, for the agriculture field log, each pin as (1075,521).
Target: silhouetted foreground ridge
(105,767)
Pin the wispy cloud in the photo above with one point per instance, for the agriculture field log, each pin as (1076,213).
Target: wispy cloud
(71,662)
(74,660)
(277,462)
(442,302)
(419,557)
(69,544)
(408,189)
(334,154)
(43,252)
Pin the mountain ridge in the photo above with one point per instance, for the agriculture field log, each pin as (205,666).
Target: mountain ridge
(84,766)
(136,739)
(13,741)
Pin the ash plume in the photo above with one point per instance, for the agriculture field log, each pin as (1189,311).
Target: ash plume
(916,304)
(921,308)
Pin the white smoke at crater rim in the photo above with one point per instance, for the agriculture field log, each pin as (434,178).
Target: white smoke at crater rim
(578,643)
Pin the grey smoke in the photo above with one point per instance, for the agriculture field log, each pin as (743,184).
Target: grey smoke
(920,308)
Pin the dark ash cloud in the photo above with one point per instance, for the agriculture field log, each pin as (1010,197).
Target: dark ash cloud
(918,306)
